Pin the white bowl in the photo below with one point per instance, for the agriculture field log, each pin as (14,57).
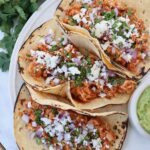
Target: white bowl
(133,107)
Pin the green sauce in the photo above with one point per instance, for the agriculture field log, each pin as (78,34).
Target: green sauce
(143,109)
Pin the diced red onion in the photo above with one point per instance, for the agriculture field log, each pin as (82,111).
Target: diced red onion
(134,54)
(76,60)
(34,124)
(90,126)
(48,39)
(148,53)
(116,11)
(39,132)
(25,118)
(61,115)
(111,74)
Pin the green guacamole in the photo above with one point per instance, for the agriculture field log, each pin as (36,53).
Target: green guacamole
(143,109)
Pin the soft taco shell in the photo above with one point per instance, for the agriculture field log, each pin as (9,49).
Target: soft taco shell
(65,104)
(99,102)
(143,11)
(31,43)
(83,41)
(24,141)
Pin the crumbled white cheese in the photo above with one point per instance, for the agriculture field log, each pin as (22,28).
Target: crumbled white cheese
(67,137)
(102,95)
(53,43)
(46,121)
(83,12)
(101,28)
(102,82)
(124,19)
(48,80)
(25,118)
(95,71)
(143,55)
(87,1)
(105,45)
(97,144)
(64,68)
(45,59)
(127,57)
(29,105)
(77,18)
(84,20)
(51,147)
(74,70)
(109,85)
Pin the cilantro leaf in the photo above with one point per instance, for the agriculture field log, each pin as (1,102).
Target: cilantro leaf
(13,16)
(109,15)
(4,61)
(20,12)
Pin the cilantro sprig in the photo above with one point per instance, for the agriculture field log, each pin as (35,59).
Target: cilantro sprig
(13,16)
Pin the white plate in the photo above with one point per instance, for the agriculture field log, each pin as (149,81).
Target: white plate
(133,140)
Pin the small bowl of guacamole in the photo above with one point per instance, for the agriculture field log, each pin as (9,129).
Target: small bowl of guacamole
(143,109)
(139,109)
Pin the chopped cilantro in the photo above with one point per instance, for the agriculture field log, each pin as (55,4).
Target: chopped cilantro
(76,132)
(28,55)
(72,21)
(97,20)
(88,60)
(54,48)
(85,6)
(38,116)
(80,78)
(129,12)
(100,2)
(69,55)
(67,129)
(116,81)
(62,39)
(38,141)
(109,15)
(113,37)
(54,111)
(38,112)
(70,64)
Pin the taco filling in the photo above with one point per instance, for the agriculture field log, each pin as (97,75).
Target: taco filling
(57,63)
(59,129)
(121,34)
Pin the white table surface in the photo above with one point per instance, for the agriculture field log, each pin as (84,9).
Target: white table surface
(133,140)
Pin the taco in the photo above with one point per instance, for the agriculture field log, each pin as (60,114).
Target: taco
(77,73)
(37,58)
(45,127)
(120,34)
